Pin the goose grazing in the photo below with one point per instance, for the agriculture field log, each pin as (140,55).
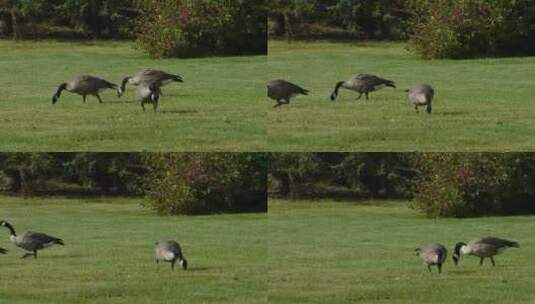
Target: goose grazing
(282,90)
(433,255)
(363,84)
(31,241)
(3,251)
(148,94)
(421,95)
(86,85)
(170,251)
(149,76)
(486,247)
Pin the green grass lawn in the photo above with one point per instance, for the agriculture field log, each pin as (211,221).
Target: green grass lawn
(340,252)
(480,105)
(109,250)
(219,107)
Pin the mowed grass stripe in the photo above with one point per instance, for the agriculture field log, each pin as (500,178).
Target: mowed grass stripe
(480,105)
(338,252)
(218,108)
(109,255)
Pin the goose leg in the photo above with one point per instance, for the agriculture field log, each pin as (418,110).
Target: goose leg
(360,95)
(35,254)
(143,106)
(155,105)
(429,268)
(173,264)
(416,108)
(366,95)
(279,103)
(83,98)
(26,255)
(439,268)
(98,97)
(492,260)
(481,261)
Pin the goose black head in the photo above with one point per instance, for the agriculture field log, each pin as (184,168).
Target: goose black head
(56,96)
(184,264)
(123,83)
(457,252)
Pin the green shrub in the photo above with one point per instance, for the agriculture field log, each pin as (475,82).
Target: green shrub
(460,184)
(453,29)
(199,27)
(470,28)
(200,183)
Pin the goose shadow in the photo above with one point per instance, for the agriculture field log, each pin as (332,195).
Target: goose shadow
(163,95)
(449,113)
(460,271)
(194,269)
(178,111)
(60,256)
(120,101)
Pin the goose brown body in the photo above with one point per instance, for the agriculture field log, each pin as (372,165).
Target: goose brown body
(149,77)
(433,255)
(86,85)
(170,251)
(486,247)
(282,91)
(421,95)
(31,241)
(362,84)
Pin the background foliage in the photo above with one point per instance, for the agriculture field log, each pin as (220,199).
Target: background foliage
(471,184)
(195,183)
(361,175)
(179,183)
(436,28)
(439,184)
(469,28)
(193,27)
(363,19)
(162,28)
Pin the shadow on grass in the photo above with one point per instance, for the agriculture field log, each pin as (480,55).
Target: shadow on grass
(122,101)
(450,113)
(196,269)
(461,271)
(179,111)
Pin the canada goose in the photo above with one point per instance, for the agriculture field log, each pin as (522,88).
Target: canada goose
(486,247)
(31,241)
(421,95)
(433,254)
(363,84)
(279,90)
(149,76)
(86,85)
(3,251)
(148,94)
(170,251)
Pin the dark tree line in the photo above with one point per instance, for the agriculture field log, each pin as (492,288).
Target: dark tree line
(361,19)
(162,28)
(362,175)
(436,28)
(438,184)
(86,18)
(172,183)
